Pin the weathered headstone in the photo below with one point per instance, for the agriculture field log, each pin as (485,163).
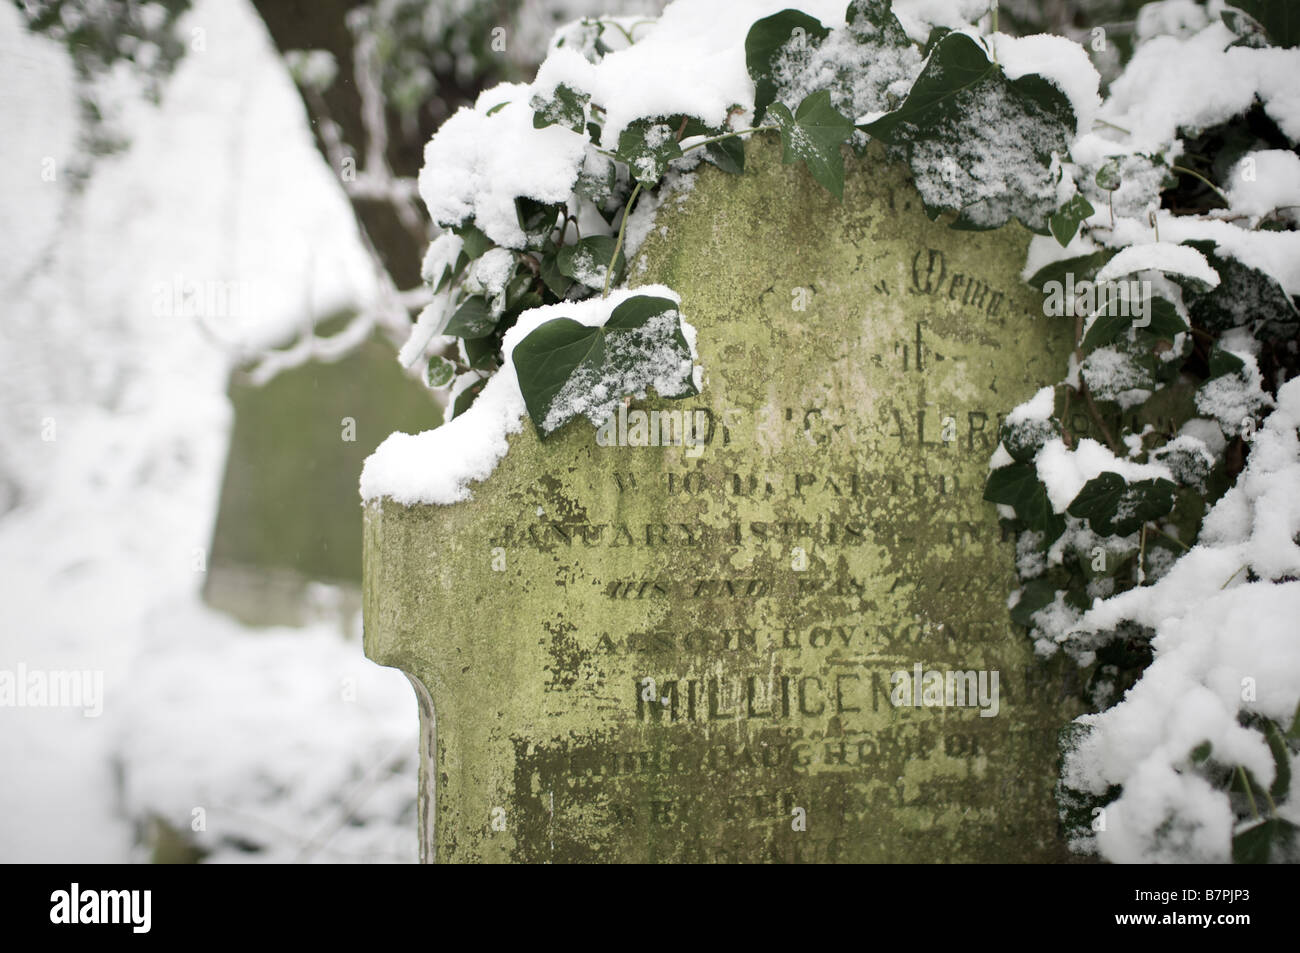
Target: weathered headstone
(287,515)
(675,653)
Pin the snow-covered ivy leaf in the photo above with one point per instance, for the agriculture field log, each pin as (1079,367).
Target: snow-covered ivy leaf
(1068,218)
(979,143)
(1245,297)
(1162,321)
(567,107)
(476,243)
(588,260)
(813,135)
(439,373)
(765,42)
(1272,841)
(467,397)
(536,219)
(647,146)
(473,319)
(1037,594)
(1114,507)
(1222,363)
(1017,485)
(1280,19)
(567,369)
(1025,438)
(1108,177)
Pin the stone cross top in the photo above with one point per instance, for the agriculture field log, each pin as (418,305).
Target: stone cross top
(784,637)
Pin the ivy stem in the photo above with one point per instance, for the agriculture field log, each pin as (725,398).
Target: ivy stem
(1196,175)
(1174,539)
(725,135)
(618,245)
(1113,126)
(1096,416)
(1234,575)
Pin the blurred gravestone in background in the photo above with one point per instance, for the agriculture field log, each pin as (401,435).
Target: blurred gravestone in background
(289,515)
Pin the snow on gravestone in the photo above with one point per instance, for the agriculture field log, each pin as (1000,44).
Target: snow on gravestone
(677,653)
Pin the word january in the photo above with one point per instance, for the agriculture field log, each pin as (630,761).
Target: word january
(103,906)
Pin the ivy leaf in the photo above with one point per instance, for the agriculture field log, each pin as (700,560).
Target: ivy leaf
(1279,18)
(1108,178)
(1114,507)
(1083,266)
(1162,319)
(1037,594)
(1017,485)
(481,353)
(1245,297)
(647,146)
(1223,362)
(476,243)
(727,154)
(1260,844)
(1281,786)
(1067,220)
(813,135)
(764,43)
(537,219)
(588,260)
(473,319)
(562,361)
(874,21)
(467,397)
(439,373)
(549,271)
(568,108)
(963,111)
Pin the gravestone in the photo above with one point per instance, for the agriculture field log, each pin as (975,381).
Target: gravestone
(287,516)
(693,653)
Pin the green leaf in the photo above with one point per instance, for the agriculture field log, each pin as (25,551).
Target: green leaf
(1261,843)
(1114,507)
(1279,18)
(945,130)
(537,219)
(1037,594)
(588,260)
(1162,319)
(1223,362)
(476,243)
(647,146)
(1108,178)
(567,107)
(467,397)
(764,43)
(439,373)
(549,271)
(481,353)
(813,135)
(1281,785)
(1066,222)
(874,21)
(727,154)
(1082,266)
(1017,485)
(473,319)
(563,356)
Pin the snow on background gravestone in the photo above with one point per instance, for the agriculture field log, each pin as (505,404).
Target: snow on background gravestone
(99,528)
